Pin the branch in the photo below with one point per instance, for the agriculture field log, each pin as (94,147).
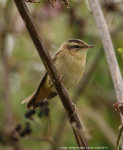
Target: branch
(48,63)
(109,50)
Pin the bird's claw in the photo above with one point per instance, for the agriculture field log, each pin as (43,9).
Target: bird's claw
(61,78)
(75,109)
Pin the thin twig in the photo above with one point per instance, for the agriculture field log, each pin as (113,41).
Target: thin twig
(46,139)
(49,126)
(81,141)
(37,124)
(120,137)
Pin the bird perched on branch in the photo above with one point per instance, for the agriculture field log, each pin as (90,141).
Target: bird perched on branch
(70,62)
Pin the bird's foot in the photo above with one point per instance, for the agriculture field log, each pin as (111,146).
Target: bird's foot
(61,78)
(75,109)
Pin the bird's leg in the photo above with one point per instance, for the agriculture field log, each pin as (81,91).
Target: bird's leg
(61,78)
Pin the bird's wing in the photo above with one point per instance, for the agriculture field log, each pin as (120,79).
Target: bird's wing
(42,80)
(35,93)
(53,94)
(28,98)
(56,56)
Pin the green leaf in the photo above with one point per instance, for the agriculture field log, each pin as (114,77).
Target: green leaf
(120,50)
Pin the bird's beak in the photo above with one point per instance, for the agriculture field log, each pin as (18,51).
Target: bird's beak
(90,46)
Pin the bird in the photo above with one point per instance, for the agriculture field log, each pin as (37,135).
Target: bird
(69,60)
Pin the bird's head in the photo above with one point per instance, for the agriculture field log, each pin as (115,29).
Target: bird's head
(75,46)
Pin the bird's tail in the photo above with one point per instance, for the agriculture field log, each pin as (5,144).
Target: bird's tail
(29,100)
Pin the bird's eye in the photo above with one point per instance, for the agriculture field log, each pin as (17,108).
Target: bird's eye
(76,46)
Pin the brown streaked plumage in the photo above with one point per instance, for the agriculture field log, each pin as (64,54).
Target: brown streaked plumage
(70,62)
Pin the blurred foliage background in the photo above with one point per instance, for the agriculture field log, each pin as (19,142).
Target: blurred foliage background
(21,69)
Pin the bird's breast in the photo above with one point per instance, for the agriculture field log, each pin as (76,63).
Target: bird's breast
(71,68)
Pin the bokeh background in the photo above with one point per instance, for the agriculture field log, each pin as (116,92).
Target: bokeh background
(21,69)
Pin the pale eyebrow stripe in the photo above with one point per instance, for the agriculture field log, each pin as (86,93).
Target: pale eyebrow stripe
(75,40)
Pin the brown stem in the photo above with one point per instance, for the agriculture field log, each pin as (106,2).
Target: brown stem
(109,51)
(48,63)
